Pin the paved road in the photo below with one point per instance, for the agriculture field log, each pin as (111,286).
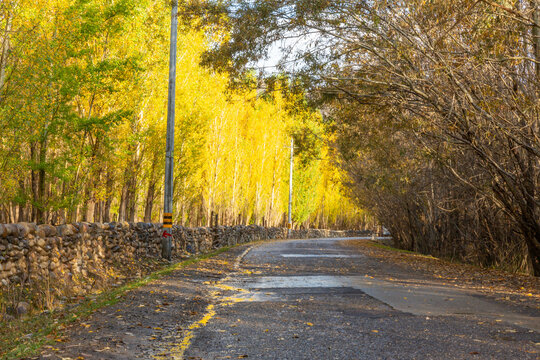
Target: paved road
(321,299)
(301,299)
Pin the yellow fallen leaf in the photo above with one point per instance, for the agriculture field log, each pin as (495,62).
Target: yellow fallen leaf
(529,294)
(158,328)
(375,331)
(309,324)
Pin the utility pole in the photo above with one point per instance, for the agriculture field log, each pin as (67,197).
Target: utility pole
(289,224)
(166,241)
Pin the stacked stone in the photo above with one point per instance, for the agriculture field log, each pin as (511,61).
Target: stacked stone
(30,252)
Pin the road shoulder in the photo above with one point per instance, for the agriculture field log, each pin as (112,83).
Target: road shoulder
(516,290)
(145,320)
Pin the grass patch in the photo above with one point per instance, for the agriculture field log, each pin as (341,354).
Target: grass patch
(24,338)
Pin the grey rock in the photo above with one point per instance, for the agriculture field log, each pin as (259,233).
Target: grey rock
(11,230)
(66,230)
(83,227)
(26,228)
(48,230)
(22,308)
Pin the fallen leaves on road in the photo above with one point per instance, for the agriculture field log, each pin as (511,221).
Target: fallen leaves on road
(514,287)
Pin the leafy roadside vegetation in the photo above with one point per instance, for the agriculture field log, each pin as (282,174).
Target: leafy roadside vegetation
(24,337)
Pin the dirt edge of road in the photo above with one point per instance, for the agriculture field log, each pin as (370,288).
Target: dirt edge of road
(514,289)
(23,338)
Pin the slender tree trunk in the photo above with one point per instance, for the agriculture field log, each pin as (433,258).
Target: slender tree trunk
(13,212)
(124,208)
(98,214)
(87,208)
(73,215)
(535,7)
(151,192)
(531,233)
(109,197)
(35,183)
(183,212)
(123,200)
(21,206)
(4,214)
(4,53)
(107,209)
(150,195)
(41,213)
(131,207)
(92,204)
(131,203)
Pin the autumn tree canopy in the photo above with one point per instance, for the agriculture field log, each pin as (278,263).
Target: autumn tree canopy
(434,105)
(424,114)
(83,95)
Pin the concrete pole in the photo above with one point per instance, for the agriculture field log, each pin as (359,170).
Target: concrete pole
(289,224)
(166,243)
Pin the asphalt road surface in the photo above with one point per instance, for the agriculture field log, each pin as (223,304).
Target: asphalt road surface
(303,299)
(320,299)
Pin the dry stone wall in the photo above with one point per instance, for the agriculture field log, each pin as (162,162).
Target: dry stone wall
(31,253)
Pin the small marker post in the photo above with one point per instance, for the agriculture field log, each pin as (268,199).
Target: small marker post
(167,236)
